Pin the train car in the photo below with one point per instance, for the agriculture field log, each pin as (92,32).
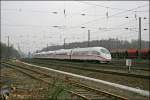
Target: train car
(63,54)
(119,53)
(132,53)
(91,53)
(145,53)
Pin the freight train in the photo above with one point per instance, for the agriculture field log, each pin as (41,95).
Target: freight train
(131,53)
(100,54)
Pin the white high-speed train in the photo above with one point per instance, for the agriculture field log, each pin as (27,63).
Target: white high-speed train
(91,53)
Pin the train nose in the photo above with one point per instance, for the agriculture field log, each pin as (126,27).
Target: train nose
(108,57)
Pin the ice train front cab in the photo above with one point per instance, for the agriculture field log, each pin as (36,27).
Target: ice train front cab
(104,55)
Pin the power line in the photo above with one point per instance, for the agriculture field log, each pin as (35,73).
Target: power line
(107,7)
(142,11)
(114,14)
(56,12)
(102,6)
(100,28)
(22,25)
(115,26)
(49,12)
(29,10)
(79,26)
(98,18)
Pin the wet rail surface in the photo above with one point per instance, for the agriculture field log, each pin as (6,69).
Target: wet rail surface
(82,91)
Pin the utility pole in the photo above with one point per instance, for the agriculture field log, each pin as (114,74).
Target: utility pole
(29,54)
(8,40)
(139,37)
(88,38)
(11,52)
(8,47)
(19,50)
(64,43)
(139,55)
(47,47)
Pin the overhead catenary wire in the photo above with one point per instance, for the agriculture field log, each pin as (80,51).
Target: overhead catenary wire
(103,17)
(41,25)
(56,12)
(101,6)
(68,27)
(112,15)
(112,8)
(103,27)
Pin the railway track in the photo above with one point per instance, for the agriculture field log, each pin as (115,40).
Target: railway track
(109,65)
(82,91)
(90,69)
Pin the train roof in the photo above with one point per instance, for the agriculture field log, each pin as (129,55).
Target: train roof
(62,51)
(50,51)
(40,53)
(88,49)
(74,49)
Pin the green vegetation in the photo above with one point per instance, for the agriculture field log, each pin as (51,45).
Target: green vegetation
(8,52)
(58,91)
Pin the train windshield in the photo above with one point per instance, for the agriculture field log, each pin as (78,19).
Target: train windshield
(105,51)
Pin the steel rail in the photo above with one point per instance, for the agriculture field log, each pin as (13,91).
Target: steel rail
(91,64)
(96,70)
(122,87)
(113,65)
(75,83)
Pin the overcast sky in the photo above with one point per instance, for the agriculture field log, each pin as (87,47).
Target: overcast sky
(31,24)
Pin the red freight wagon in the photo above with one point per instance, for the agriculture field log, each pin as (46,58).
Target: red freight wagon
(145,53)
(132,53)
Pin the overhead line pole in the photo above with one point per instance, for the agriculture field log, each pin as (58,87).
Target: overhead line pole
(88,38)
(64,43)
(8,40)
(8,47)
(47,47)
(139,55)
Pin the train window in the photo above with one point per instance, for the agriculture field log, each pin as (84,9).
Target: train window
(104,51)
(63,53)
(89,52)
(95,52)
(85,52)
(80,53)
(75,53)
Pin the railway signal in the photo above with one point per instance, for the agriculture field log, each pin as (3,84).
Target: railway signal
(129,63)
